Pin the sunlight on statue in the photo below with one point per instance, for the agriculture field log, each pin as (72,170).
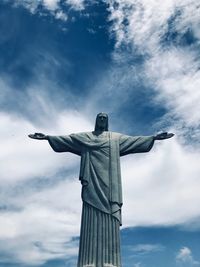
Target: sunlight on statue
(100,176)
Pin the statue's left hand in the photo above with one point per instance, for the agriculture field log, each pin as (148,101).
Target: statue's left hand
(38,136)
(163,136)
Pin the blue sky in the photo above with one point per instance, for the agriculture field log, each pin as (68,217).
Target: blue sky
(61,63)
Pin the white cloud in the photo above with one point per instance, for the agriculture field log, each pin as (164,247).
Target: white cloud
(61,15)
(76,4)
(175,76)
(43,227)
(147,248)
(161,187)
(185,257)
(144,21)
(51,4)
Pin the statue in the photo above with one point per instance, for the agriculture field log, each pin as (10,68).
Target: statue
(100,177)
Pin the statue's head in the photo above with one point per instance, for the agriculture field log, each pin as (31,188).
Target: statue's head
(101,122)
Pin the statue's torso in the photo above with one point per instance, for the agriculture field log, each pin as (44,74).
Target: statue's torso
(96,167)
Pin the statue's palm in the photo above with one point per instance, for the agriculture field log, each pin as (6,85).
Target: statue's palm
(163,136)
(39,136)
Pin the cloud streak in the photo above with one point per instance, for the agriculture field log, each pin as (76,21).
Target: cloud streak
(54,7)
(147,248)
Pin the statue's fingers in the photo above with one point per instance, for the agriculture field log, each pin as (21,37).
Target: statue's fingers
(31,135)
(170,135)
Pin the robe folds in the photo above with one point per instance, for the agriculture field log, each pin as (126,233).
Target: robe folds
(100,176)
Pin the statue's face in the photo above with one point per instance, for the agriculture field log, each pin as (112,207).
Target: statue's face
(102,121)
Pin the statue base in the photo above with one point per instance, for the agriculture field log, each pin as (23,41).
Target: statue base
(99,239)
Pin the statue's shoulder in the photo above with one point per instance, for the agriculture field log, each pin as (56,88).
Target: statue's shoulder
(82,136)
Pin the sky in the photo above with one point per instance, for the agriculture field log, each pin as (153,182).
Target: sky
(61,63)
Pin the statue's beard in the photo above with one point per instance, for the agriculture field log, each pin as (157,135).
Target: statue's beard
(101,128)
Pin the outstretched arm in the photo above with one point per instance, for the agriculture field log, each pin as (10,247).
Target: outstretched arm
(140,144)
(60,143)
(163,136)
(135,144)
(38,136)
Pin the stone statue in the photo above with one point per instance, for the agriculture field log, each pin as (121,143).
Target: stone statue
(100,177)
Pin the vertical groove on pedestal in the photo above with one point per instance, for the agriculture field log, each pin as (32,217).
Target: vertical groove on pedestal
(90,258)
(99,239)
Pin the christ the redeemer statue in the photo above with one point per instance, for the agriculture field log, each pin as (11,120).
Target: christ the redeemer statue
(100,177)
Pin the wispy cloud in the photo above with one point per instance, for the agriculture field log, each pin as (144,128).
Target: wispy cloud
(76,4)
(138,264)
(144,23)
(175,76)
(147,248)
(57,8)
(168,37)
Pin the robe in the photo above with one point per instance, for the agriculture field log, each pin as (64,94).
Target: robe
(100,176)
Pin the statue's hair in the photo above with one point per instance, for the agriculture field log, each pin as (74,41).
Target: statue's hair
(96,125)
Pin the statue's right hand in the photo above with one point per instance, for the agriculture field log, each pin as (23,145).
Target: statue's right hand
(39,136)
